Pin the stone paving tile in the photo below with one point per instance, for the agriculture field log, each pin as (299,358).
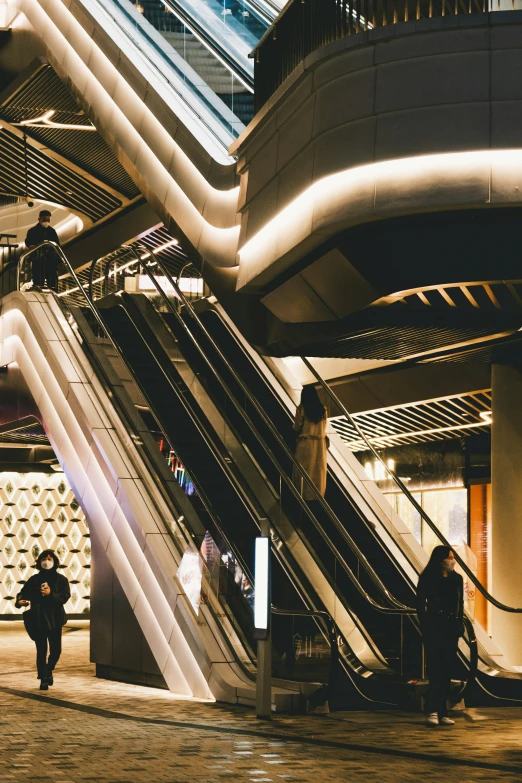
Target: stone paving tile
(111,737)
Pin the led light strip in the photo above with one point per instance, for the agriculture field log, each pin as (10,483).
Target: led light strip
(45,122)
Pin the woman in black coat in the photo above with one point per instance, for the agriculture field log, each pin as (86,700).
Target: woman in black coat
(440,609)
(46,593)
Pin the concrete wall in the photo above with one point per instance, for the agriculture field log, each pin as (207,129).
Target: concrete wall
(438,86)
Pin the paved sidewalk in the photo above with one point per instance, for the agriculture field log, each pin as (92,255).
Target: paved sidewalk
(85,729)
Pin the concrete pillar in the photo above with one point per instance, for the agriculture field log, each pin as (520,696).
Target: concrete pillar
(506,526)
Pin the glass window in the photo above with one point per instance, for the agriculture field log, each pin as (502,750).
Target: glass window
(409,514)
(447,508)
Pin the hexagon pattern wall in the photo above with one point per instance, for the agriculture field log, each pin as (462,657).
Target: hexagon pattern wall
(39,511)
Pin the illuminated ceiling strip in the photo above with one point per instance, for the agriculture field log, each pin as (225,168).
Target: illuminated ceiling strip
(45,122)
(464,287)
(493,298)
(355,195)
(469,296)
(383,439)
(347,184)
(447,298)
(512,290)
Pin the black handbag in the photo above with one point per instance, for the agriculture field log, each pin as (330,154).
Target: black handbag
(31,623)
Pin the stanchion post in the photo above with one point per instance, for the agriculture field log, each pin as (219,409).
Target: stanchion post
(262,613)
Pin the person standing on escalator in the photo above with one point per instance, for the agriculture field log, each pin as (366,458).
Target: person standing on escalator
(44,263)
(440,609)
(312,442)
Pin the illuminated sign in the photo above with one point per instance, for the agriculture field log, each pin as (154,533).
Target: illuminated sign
(262,588)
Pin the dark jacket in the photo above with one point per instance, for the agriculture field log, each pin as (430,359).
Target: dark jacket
(46,611)
(38,234)
(440,601)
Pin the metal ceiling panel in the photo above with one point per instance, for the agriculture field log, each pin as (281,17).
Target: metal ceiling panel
(49,180)
(44,91)
(395,342)
(32,434)
(418,422)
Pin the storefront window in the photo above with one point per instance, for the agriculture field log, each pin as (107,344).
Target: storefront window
(409,514)
(447,508)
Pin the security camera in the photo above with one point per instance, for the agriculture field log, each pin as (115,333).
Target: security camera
(29,203)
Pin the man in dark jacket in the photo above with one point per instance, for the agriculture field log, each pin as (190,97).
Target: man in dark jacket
(44,263)
(46,593)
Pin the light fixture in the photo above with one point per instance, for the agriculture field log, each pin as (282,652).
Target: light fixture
(486,416)
(45,120)
(8,13)
(262,588)
(376,471)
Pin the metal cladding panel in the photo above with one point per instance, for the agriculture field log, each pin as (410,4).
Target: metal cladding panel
(394,342)
(48,180)
(45,91)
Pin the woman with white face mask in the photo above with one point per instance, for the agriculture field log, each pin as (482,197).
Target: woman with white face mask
(46,593)
(440,609)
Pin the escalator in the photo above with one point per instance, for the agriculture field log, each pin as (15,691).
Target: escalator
(378,633)
(161,372)
(215,40)
(156,535)
(396,637)
(493,685)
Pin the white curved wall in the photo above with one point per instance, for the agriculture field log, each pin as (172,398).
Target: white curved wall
(408,91)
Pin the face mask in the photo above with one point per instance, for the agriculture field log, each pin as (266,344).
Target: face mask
(47,564)
(448,564)
(46,224)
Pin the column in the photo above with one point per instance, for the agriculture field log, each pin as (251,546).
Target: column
(506,528)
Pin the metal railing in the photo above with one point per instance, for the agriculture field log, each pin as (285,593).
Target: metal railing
(306,25)
(9,259)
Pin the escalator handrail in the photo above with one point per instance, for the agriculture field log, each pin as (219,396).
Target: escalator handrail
(190,107)
(219,51)
(469,573)
(397,607)
(406,611)
(473,658)
(331,630)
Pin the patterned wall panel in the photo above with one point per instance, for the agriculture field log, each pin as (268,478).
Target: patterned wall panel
(39,511)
